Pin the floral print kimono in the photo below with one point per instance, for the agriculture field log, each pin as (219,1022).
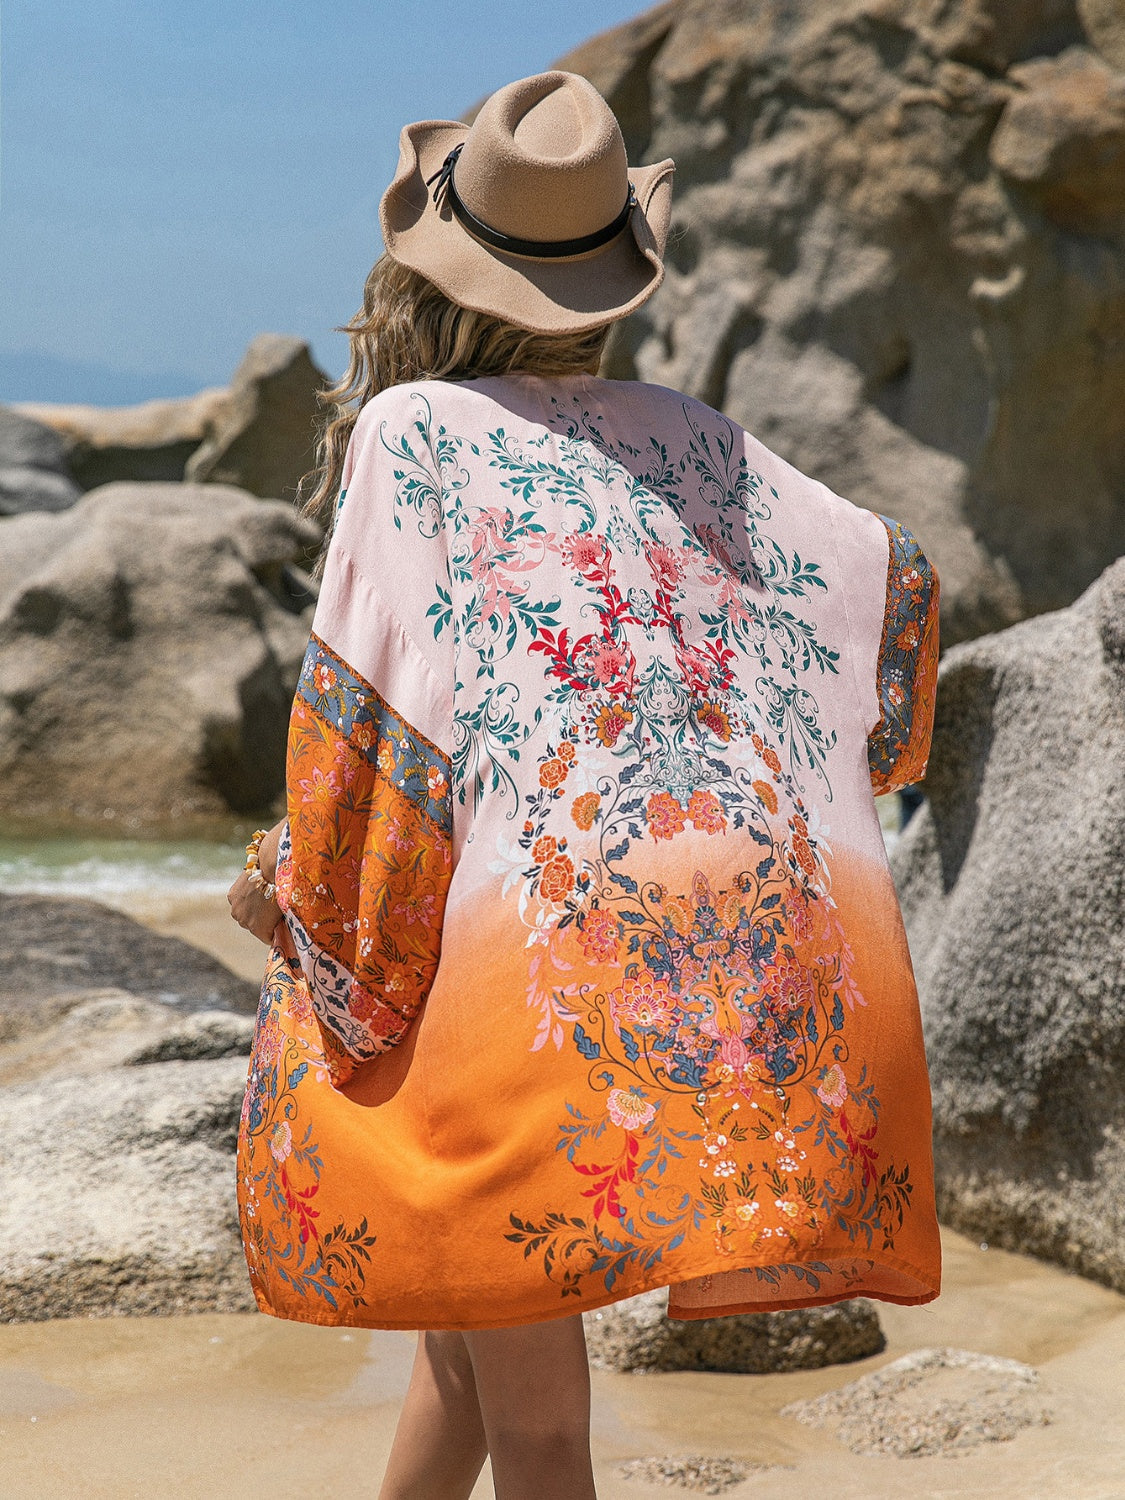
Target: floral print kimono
(592,977)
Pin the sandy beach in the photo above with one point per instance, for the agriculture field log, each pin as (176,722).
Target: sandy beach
(215,1406)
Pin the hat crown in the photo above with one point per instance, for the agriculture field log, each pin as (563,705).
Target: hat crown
(544,160)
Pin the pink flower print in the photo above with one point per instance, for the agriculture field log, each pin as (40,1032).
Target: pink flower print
(485,534)
(324,678)
(585,551)
(607,662)
(610,721)
(349,763)
(729,603)
(600,935)
(629,1108)
(734,1051)
(697,668)
(320,787)
(833,1089)
(300,1005)
(269,1045)
(665,566)
(710,537)
(642,1001)
(706,812)
(281,1141)
(395,835)
(416,909)
(790,986)
(665,816)
(798,914)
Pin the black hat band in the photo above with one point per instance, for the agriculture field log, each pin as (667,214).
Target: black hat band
(538,249)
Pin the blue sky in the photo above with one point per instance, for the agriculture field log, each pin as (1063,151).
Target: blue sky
(176,177)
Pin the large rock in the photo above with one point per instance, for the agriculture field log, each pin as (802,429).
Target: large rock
(55,951)
(637,1335)
(258,435)
(1063,141)
(898,255)
(83,1033)
(1104,22)
(33,466)
(265,439)
(150,640)
(152,441)
(1012,881)
(119,1114)
(119,1193)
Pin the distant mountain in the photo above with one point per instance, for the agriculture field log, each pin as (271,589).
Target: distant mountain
(27,375)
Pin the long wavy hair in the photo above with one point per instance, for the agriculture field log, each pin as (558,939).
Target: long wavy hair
(408,330)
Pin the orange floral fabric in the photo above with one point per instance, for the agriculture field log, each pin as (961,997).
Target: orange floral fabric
(364,868)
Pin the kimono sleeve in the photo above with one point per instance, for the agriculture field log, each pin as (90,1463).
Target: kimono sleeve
(899,745)
(365,862)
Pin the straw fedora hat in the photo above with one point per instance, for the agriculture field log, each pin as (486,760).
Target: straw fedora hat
(531,213)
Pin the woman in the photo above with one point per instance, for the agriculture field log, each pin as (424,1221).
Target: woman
(592,977)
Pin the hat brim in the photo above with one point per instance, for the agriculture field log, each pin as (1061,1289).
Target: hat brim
(544,296)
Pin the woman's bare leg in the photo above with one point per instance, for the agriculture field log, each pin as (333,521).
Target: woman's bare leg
(533,1386)
(439,1445)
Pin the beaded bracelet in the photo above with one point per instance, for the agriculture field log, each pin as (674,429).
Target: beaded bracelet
(254,869)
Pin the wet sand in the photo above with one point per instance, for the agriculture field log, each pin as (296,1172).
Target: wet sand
(221,1406)
(212,1407)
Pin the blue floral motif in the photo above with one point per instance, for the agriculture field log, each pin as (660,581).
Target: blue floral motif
(361,716)
(908,636)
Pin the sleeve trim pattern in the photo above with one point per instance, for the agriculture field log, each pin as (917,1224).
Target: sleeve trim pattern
(898,746)
(365,865)
(359,713)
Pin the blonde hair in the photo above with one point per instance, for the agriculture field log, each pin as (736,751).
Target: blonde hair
(409,330)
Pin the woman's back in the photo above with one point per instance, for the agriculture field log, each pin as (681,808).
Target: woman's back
(586,735)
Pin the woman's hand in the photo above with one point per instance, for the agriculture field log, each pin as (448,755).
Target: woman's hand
(249,908)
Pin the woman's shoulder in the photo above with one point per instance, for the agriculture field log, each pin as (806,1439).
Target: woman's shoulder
(424,407)
(394,400)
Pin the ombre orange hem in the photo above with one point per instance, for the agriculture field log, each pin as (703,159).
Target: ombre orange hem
(548,1313)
